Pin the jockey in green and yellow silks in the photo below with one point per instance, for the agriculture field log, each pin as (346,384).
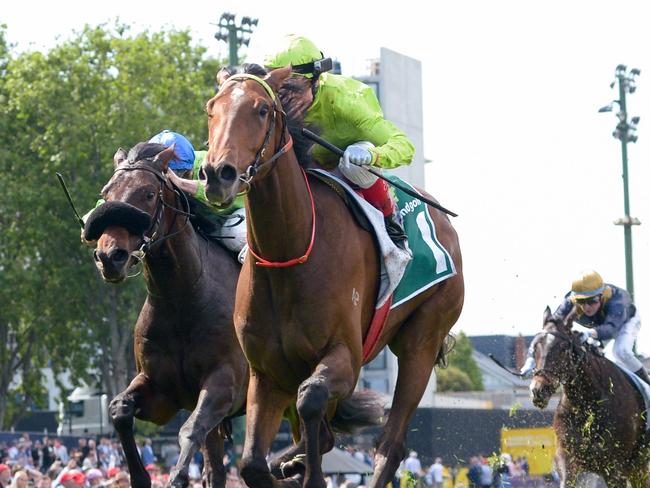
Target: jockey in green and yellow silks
(347,113)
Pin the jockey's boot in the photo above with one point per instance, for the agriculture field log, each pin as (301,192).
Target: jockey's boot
(396,231)
(643,374)
(379,197)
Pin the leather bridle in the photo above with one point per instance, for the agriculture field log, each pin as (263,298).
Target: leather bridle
(284,144)
(152,235)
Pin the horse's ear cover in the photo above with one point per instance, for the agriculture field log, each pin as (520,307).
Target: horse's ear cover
(122,214)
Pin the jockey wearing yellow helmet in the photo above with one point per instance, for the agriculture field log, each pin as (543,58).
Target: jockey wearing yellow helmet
(607,312)
(346,112)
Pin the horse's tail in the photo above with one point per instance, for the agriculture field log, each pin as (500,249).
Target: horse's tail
(363,409)
(448,345)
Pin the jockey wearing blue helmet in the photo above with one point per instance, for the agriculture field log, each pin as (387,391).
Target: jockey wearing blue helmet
(184,155)
(185,166)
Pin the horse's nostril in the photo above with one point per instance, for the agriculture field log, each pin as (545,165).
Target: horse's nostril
(228,173)
(118,256)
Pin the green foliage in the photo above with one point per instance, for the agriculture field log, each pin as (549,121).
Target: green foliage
(453,379)
(460,359)
(68,110)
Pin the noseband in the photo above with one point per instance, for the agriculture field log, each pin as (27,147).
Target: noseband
(283,147)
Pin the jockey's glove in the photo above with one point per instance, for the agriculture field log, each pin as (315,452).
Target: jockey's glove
(528,366)
(585,335)
(357,155)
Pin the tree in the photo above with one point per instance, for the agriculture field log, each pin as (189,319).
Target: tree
(68,110)
(462,368)
(453,379)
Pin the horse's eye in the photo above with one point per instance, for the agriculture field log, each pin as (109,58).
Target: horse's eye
(150,195)
(264,111)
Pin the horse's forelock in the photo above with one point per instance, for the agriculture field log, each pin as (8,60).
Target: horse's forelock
(254,69)
(144,150)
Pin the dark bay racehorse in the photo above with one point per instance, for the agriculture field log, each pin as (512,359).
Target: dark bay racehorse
(305,303)
(186,350)
(598,424)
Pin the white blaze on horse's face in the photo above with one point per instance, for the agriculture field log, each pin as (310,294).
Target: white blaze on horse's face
(540,387)
(236,94)
(239,119)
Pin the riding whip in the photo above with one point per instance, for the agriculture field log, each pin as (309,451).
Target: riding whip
(339,152)
(67,194)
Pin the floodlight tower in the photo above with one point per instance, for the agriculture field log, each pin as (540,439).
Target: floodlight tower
(235,35)
(625,132)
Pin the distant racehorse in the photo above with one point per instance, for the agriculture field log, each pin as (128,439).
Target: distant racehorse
(306,297)
(599,423)
(186,350)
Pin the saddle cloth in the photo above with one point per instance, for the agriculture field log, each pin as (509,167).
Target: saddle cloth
(431,263)
(403,277)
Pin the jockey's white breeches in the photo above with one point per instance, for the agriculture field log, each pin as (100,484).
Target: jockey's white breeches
(233,231)
(622,347)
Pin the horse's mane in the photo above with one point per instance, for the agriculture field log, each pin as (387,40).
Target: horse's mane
(295,97)
(144,150)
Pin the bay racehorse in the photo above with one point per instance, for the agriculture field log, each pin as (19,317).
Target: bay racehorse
(307,291)
(187,353)
(598,423)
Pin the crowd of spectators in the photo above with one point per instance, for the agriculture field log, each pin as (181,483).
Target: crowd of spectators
(479,472)
(48,463)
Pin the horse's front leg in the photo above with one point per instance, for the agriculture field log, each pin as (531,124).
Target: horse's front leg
(264,407)
(566,468)
(215,401)
(290,462)
(141,399)
(333,378)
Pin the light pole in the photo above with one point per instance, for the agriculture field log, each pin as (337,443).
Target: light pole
(625,132)
(235,35)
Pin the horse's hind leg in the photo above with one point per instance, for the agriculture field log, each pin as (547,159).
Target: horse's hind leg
(264,407)
(416,346)
(214,403)
(141,400)
(214,472)
(333,378)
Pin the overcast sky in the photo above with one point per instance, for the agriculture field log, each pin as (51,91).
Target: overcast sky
(511,93)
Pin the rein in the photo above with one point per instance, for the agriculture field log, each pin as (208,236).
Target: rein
(257,163)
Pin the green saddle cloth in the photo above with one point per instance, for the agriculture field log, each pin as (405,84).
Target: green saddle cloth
(431,262)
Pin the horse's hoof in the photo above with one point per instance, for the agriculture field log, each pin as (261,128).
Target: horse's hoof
(179,479)
(295,466)
(121,412)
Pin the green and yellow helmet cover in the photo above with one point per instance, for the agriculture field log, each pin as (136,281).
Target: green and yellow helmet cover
(297,50)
